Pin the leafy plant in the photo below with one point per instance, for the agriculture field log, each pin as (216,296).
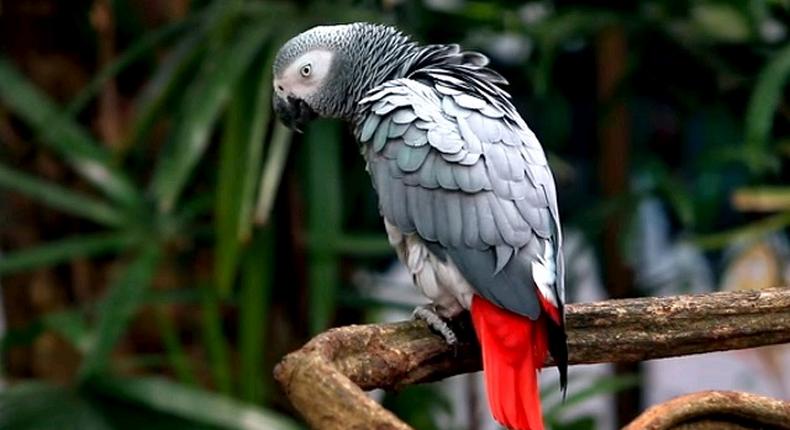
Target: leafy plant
(214,80)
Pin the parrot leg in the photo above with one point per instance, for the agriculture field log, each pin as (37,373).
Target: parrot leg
(437,323)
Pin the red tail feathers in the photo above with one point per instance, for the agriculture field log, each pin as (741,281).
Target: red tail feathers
(514,348)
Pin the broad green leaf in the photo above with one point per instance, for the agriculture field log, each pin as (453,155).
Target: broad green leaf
(272,172)
(59,251)
(765,99)
(220,71)
(192,403)
(121,301)
(58,197)
(62,135)
(256,287)
(42,406)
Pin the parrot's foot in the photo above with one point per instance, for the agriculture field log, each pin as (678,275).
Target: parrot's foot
(437,323)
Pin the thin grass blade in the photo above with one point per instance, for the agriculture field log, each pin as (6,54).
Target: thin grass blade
(60,251)
(61,198)
(177,359)
(744,233)
(607,384)
(259,122)
(122,300)
(765,99)
(272,172)
(170,79)
(240,151)
(138,50)
(63,135)
(202,105)
(256,286)
(214,340)
(324,219)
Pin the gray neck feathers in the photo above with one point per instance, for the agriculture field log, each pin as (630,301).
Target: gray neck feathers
(374,55)
(368,55)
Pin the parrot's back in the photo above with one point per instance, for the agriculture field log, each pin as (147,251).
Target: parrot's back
(470,205)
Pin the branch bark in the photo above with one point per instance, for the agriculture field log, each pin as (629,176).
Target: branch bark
(715,410)
(325,379)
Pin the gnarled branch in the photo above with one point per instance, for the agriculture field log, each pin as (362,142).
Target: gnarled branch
(715,410)
(325,379)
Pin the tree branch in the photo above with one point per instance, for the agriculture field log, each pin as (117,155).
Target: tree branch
(715,410)
(325,379)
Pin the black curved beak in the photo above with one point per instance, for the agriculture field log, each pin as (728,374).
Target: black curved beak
(293,112)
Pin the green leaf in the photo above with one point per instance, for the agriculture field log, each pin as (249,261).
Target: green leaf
(745,233)
(579,423)
(41,406)
(364,245)
(420,406)
(606,384)
(256,288)
(62,135)
(192,403)
(44,406)
(324,220)
(55,252)
(272,172)
(239,162)
(170,79)
(220,71)
(122,300)
(214,340)
(177,359)
(260,119)
(765,99)
(721,22)
(143,46)
(58,197)
(71,325)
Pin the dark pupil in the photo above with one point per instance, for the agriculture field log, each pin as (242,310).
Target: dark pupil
(305,70)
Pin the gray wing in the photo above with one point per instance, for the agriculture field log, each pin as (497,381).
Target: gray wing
(472,181)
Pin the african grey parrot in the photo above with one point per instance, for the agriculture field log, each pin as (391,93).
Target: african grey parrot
(468,200)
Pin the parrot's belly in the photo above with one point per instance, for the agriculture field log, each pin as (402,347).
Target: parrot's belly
(438,280)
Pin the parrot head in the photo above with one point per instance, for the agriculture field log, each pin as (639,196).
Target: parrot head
(307,78)
(326,70)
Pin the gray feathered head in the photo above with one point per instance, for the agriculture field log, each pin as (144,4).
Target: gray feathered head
(326,70)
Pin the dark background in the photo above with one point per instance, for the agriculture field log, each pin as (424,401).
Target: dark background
(161,233)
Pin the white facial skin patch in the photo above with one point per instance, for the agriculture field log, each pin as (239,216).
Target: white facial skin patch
(305,75)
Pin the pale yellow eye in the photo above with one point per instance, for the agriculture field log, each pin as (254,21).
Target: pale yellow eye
(306,70)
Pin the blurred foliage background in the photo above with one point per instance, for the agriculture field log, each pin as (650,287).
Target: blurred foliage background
(164,241)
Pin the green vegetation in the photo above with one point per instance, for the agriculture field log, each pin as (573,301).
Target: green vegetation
(236,239)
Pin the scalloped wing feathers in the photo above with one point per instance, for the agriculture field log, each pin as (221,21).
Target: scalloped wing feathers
(453,161)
